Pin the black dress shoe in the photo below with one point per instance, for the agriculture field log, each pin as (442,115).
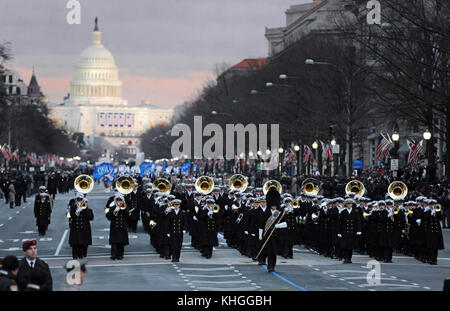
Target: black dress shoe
(120,258)
(387,261)
(271,270)
(113,258)
(433,263)
(261,263)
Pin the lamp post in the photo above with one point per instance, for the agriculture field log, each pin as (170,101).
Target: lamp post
(315,146)
(297,150)
(395,138)
(281,159)
(427,135)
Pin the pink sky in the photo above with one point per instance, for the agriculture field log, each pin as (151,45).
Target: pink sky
(162,92)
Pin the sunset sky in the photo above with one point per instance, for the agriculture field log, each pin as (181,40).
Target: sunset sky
(165,49)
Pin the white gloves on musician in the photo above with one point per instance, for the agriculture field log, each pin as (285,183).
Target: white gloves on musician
(167,209)
(358,233)
(78,211)
(195,218)
(168,235)
(226,207)
(419,221)
(260,231)
(246,232)
(210,213)
(280,226)
(339,235)
(117,209)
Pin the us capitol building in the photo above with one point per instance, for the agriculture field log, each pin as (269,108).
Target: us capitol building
(95,106)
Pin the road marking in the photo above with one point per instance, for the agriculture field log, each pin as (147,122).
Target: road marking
(27,232)
(10,218)
(286,280)
(218,289)
(344,271)
(117,265)
(223,282)
(1,225)
(61,242)
(387,284)
(18,212)
(207,269)
(13,240)
(45,239)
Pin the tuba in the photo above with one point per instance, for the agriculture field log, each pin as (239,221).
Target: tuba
(272,184)
(356,187)
(204,184)
(84,183)
(125,184)
(238,182)
(163,185)
(310,185)
(397,190)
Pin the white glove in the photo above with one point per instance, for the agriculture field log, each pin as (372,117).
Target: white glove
(390,214)
(168,209)
(195,218)
(418,221)
(226,207)
(260,231)
(112,204)
(184,231)
(304,218)
(433,212)
(427,209)
(210,213)
(403,231)
(252,234)
(117,209)
(339,235)
(78,211)
(168,235)
(246,232)
(358,233)
(282,225)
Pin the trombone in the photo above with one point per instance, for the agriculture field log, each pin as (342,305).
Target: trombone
(310,185)
(84,183)
(204,184)
(238,182)
(356,187)
(397,190)
(272,184)
(125,184)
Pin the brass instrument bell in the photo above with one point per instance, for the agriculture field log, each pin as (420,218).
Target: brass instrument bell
(310,185)
(356,187)
(238,182)
(397,190)
(272,184)
(163,185)
(84,183)
(204,184)
(125,184)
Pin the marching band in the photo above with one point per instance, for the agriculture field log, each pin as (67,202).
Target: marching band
(261,223)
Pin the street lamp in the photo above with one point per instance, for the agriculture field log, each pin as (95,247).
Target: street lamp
(214,112)
(315,145)
(395,136)
(427,135)
(333,142)
(309,62)
(269,84)
(297,148)
(280,150)
(253,92)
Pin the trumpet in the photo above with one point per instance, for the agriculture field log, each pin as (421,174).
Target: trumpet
(410,212)
(314,217)
(122,205)
(395,210)
(234,207)
(84,183)
(84,205)
(295,204)
(152,224)
(438,207)
(367,215)
(216,208)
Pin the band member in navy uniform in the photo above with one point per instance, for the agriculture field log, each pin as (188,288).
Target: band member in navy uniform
(432,217)
(117,213)
(208,229)
(42,212)
(80,236)
(177,225)
(134,202)
(271,230)
(349,229)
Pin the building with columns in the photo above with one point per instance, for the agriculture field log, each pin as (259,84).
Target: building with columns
(95,107)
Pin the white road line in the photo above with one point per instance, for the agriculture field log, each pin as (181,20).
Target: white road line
(364,278)
(345,271)
(1,225)
(387,284)
(118,265)
(211,276)
(223,282)
(10,218)
(218,289)
(207,269)
(61,242)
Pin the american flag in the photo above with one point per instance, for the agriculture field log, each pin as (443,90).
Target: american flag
(327,151)
(289,156)
(415,149)
(383,147)
(307,154)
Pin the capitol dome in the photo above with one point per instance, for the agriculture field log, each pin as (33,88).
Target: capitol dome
(96,79)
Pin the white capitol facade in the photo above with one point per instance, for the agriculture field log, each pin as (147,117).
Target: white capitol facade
(95,106)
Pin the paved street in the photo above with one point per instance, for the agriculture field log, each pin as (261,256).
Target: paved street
(143,269)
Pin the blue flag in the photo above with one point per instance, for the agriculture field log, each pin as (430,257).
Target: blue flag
(104,169)
(185,168)
(146,169)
